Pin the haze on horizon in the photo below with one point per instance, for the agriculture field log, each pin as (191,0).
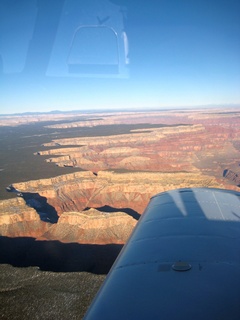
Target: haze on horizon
(181,53)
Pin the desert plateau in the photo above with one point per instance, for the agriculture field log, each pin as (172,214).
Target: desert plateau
(74,185)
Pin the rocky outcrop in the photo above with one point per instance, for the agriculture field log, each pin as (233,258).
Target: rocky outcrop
(91,227)
(78,191)
(187,148)
(88,227)
(18,220)
(118,197)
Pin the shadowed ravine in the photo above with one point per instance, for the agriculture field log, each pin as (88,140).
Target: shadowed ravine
(56,256)
(108,209)
(46,212)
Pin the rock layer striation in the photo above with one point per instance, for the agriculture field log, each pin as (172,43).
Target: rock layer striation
(122,171)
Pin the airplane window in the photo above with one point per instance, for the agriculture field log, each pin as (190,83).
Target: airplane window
(103,105)
(90,41)
(94,49)
(16,30)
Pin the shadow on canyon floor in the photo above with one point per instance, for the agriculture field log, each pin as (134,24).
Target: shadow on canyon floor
(57,256)
(46,212)
(134,214)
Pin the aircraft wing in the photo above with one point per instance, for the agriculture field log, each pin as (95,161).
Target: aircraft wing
(181,262)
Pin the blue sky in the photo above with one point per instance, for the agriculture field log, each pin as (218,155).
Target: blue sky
(182,53)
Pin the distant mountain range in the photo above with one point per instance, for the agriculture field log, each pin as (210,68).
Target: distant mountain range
(230,105)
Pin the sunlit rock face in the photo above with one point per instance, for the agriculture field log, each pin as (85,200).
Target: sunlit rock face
(81,190)
(63,207)
(87,227)
(19,220)
(92,227)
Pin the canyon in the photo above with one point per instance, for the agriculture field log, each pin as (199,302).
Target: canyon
(119,173)
(91,177)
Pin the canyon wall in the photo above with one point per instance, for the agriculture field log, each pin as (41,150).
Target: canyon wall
(19,220)
(93,209)
(188,148)
(102,204)
(81,190)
